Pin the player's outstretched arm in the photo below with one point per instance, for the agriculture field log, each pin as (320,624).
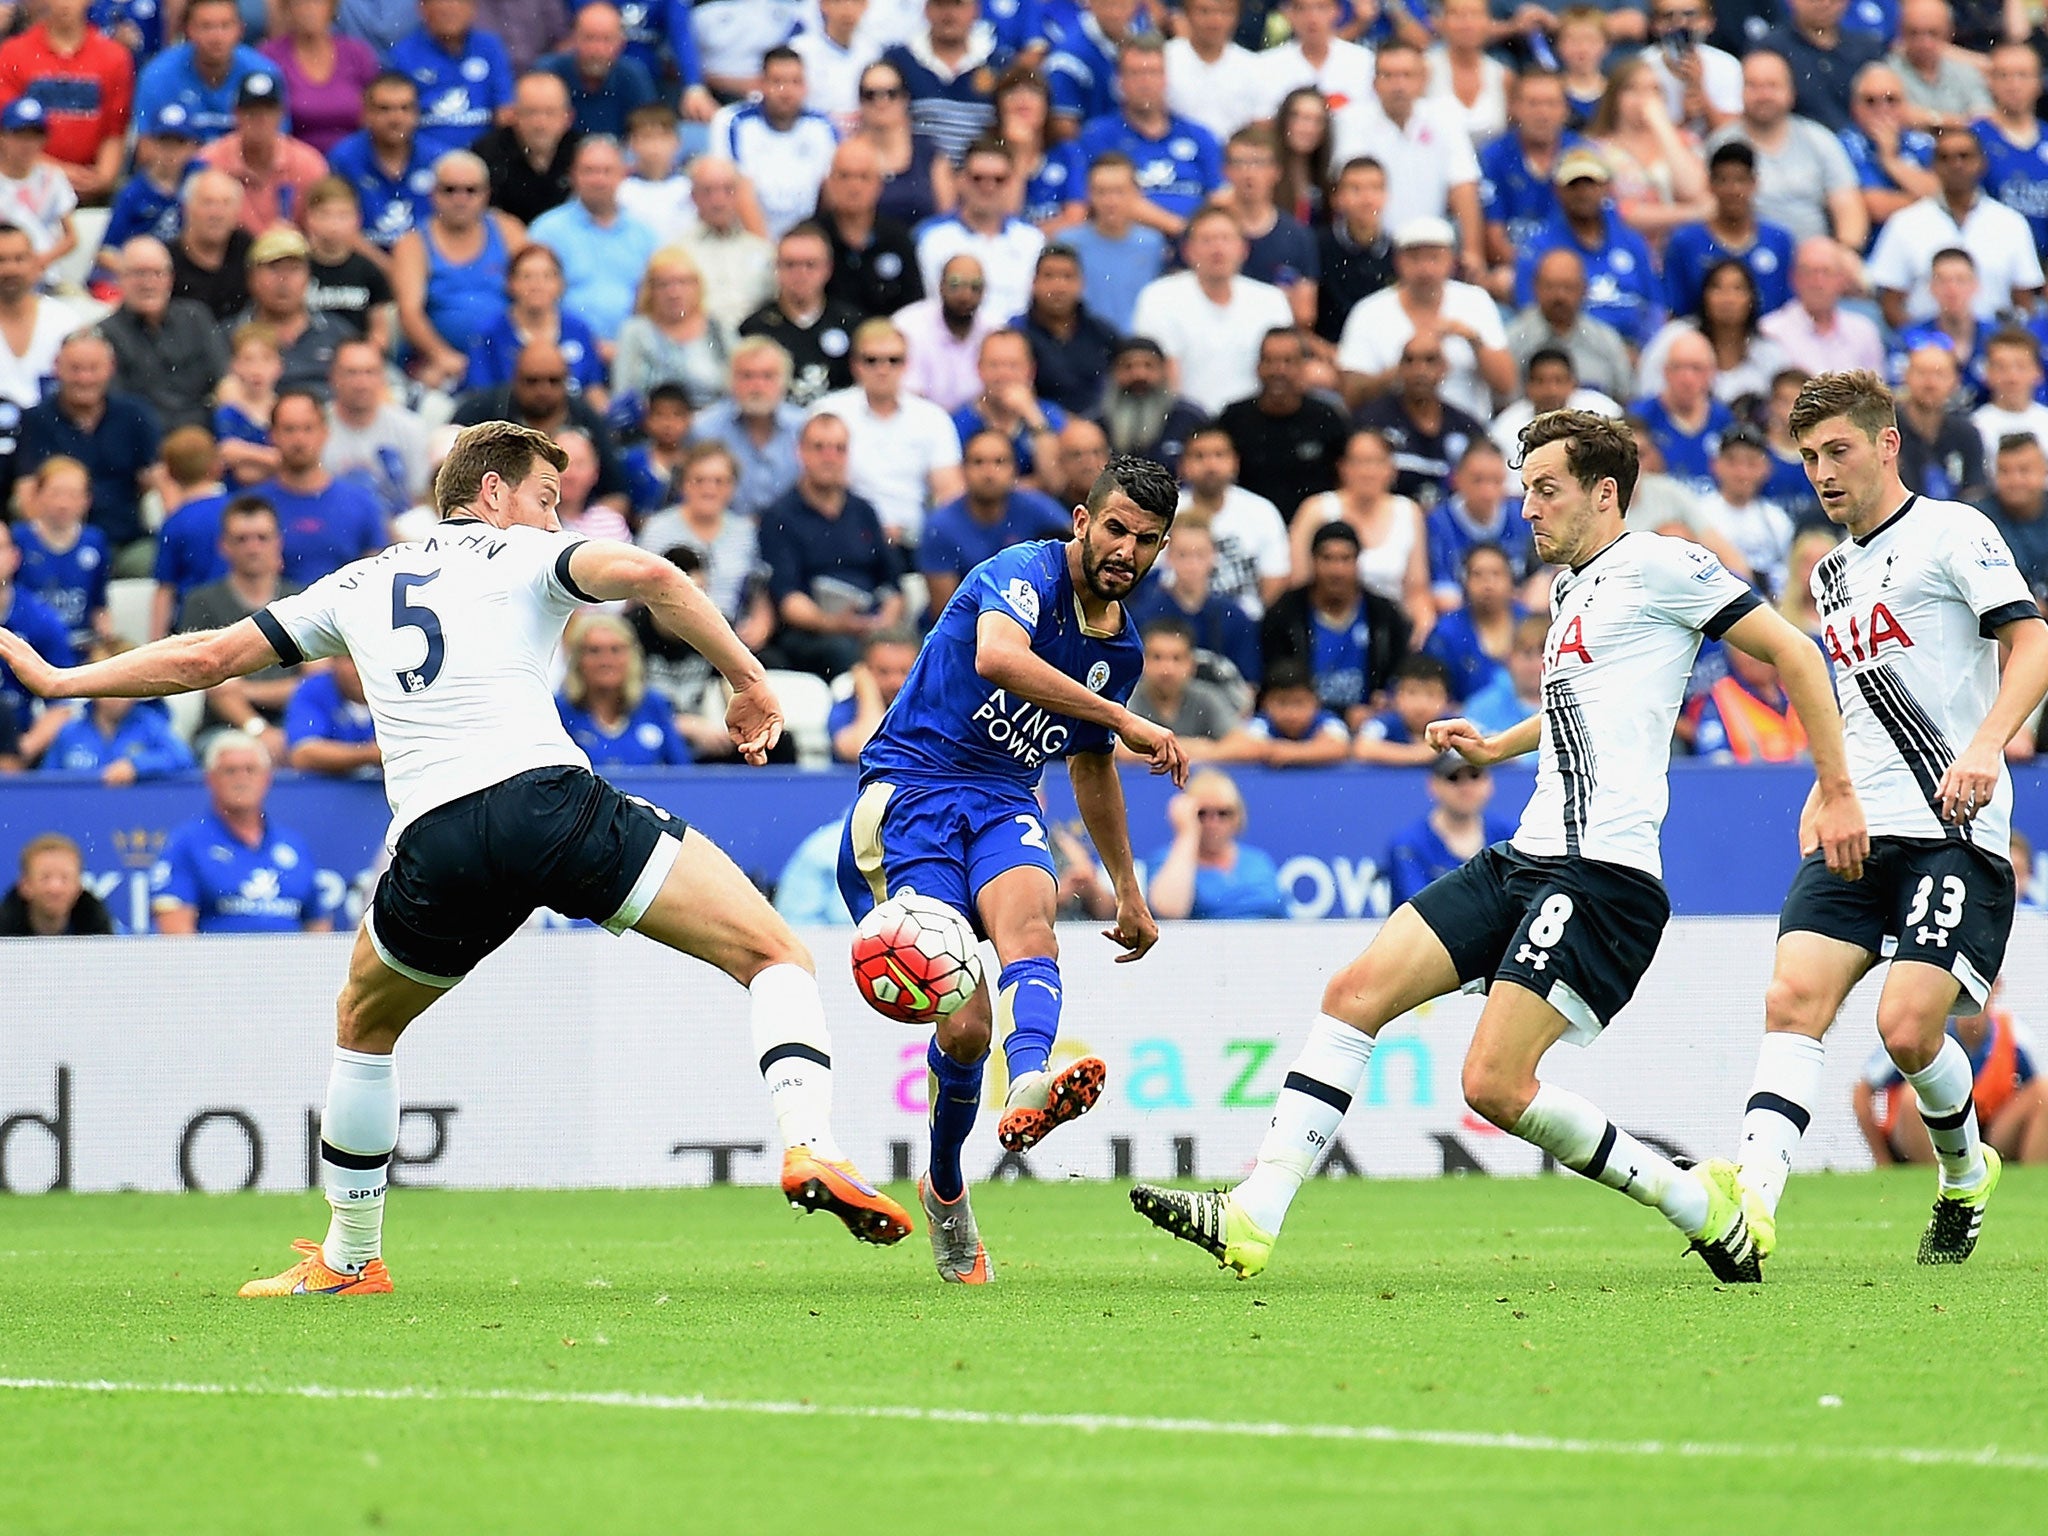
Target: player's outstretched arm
(1003,656)
(186,663)
(1099,794)
(1835,817)
(613,572)
(1475,746)
(1972,778)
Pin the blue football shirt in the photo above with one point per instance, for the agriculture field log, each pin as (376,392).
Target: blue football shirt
(72,581)
(949,723)
(274,887)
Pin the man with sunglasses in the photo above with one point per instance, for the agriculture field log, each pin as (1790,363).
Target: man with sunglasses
(1447,836)
(1893,159)
(984,227)
(904,454)
(1958,216)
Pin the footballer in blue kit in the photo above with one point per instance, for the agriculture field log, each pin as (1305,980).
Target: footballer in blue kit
(1030,661)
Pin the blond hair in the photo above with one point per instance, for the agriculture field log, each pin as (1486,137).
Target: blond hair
(581,628)
(669,260)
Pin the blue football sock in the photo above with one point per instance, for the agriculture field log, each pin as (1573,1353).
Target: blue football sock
(1032,988)
(956,1098)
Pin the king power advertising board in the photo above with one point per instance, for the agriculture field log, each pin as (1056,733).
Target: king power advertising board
(576,1059)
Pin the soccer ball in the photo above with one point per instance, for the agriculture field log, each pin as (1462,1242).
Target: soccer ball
(915,960)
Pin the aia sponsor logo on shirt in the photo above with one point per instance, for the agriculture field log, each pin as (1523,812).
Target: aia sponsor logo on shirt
(1863,639)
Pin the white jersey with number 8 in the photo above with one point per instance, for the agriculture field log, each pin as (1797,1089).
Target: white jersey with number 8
(455,636)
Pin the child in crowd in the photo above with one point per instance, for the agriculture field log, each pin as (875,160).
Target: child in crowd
(342,281)
(64,562)
(122,740)
(1422,693)
(1292,727)
(1759,529)
(243,403)
(166,151)
(652,466)
(188,544)
(35,193)
(656,193)
(1581,53)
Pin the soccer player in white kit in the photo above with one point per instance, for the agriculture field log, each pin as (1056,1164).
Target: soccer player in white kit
(495,812)
(1916,607)
(1560,922)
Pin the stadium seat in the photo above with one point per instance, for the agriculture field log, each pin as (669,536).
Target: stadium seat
(128,604)
(806,706)
(91,227)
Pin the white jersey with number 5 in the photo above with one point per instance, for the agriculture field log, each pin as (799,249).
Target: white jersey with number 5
(455,636)
(1909,615)
(1624,630)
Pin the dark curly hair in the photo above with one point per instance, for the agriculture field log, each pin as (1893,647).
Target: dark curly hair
(1596,448)
(1146,481)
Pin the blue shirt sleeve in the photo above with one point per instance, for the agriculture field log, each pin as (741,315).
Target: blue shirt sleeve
(155,748)
(1015,585)
(1406,874)
(682,40)
(940,552)
(79,738)
(175,876)
(309,714)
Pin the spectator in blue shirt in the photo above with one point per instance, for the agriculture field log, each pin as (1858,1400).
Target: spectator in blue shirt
(166,152)
(1516,691)
(605,703)
(1082,67)
(114,435)
(232,869)
(384,160)
(121,740)
(1454,831)
(1292,727)
(1685,420)
(603,249)
(1178,162)
(993,514)
(606,83)
(326,521)
(64,562)
(1621,274)
(1892,160)
(1824,56)
(1009,404)
(1473,639)
(1421,693)
(37,623)
(1184,589)
(1516,191)
(1478,511)
(832,572)
(204,73)
(1733,232)
(757,423)
(871,686)
(1206,872)
(327,725)
(464,75)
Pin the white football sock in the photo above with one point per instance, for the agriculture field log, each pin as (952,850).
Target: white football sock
(358,1132)
(1319,1089)
(794,1049)
(1781,1100)
(1578,1135)
(1950,1115)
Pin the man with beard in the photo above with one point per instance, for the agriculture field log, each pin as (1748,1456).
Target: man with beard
(945,331)
(1288,442)
(1428,436)
(1140,415)
(1032,661)
(539,397)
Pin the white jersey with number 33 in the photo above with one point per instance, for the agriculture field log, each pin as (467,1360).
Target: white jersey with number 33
(1625,628)
(455,636)
(1909,614)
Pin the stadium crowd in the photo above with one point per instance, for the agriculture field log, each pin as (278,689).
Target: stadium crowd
(829,300)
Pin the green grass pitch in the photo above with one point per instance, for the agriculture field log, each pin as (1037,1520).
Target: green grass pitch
(703,1361)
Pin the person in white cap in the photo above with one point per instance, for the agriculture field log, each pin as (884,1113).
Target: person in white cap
(37,195)
(1425,297)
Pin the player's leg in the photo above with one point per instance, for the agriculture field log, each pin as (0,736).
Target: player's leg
(1811,977)
(1406,965)
(1501,1085)
(1954,918)
(358,1128)
(706,907)
(1908,1134)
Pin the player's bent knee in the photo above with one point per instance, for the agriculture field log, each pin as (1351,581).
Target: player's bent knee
(965,1034)
(1359,993)
(1792,1006)
(1908,1040)
(1496,1094)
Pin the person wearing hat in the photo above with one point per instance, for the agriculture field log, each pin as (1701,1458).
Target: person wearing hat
(1425,297)
(274,168)
(1622,287)
(86,83)
(203,74)
(280,268)
(147,204)
(37,195)
(1456,827)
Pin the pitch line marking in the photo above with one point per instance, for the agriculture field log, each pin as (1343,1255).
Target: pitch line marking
(1989,1456)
